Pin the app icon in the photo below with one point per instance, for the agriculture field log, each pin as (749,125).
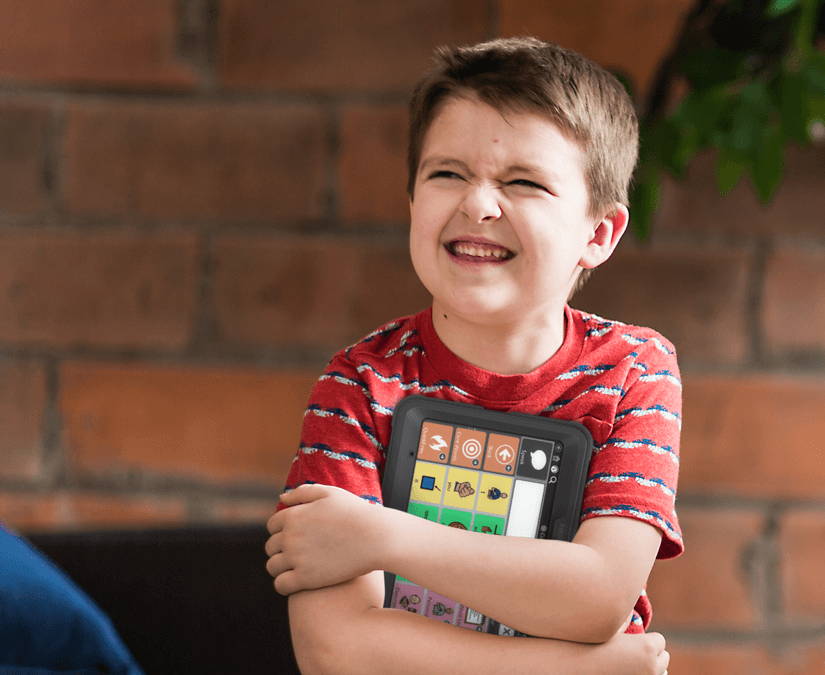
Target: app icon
(502,453)
(434,442)
(468,447)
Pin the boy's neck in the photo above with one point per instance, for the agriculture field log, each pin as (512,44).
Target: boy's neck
(506,348)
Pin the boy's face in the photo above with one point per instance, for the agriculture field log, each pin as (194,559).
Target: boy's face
(499,220)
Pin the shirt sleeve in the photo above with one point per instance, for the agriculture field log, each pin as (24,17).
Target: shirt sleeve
(634,473)
(339,443)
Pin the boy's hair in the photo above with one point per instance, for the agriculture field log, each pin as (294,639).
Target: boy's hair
(527,75)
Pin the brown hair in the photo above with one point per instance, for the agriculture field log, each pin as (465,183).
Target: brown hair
(528,75)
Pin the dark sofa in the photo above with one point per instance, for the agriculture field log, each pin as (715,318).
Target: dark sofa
(194,600)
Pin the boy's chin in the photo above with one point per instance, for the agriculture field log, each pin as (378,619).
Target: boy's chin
(479,310)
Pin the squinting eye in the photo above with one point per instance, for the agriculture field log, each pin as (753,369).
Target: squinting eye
(527,183)
(444,174)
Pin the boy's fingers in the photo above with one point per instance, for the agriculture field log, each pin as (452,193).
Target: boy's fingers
(658,641)
(664,661)
(277,566)
(287,583)
(304,493)
(273,545)
(275,522)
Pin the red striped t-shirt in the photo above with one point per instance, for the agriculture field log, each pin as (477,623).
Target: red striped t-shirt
(620,381)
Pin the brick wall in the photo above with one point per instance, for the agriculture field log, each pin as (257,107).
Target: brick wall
(190,196)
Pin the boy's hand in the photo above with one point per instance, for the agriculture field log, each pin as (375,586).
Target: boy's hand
(327,536)
(635,654)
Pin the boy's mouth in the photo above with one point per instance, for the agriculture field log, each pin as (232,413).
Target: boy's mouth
(478,251)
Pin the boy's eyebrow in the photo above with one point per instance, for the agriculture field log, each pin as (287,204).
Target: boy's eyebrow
(438,159)
(527,168)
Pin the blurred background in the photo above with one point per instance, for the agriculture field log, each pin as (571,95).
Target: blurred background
(201,200)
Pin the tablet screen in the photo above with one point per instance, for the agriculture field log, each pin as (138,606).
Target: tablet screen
(484,477)
(476,479)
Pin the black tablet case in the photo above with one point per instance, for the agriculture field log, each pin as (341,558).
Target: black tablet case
(570,444)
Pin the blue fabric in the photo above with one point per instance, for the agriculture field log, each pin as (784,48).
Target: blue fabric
(47,624)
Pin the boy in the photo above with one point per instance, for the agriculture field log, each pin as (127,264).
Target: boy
(520,156)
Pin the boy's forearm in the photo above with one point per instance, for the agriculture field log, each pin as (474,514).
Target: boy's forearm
(581,591)
(429,646)
(544,588)
(335,630)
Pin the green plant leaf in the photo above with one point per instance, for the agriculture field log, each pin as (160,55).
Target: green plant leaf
(813,70)
(756,84)
(709,66)
(667,145)
(729,169)
(816,110)
(644,200)
(805,28)
(683,150)
(704,110)
(750,115)
(767,163)
(792,103)
(779,7)
(656,145)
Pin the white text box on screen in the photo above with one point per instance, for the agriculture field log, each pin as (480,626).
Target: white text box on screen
(525,509)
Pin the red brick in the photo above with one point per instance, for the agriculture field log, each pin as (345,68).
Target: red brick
(691,294)
(66,509)
(310,292)
(24,129)
(804,659)
(87,42)
(713,659)
(235,162)
(286,291)
(715,542)
(97,510)
(694,205)
(351,45)
(30,511)
(123,289)
(745,658)
(22,411)
(793,320)
(602,30)
(802,543)
(372,167)
(753,435)
(387,287)
(187,423)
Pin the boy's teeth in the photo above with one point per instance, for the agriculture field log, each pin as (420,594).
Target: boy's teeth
(479,252)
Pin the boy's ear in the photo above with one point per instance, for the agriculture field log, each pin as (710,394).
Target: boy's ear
(605,237)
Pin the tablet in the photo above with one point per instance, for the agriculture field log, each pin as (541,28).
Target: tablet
(499,473)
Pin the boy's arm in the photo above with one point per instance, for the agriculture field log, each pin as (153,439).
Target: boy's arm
(581,591)
(343,629)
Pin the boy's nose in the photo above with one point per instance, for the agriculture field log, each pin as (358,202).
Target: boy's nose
(481,203)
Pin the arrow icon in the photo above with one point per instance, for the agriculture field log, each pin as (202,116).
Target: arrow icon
(504,454)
